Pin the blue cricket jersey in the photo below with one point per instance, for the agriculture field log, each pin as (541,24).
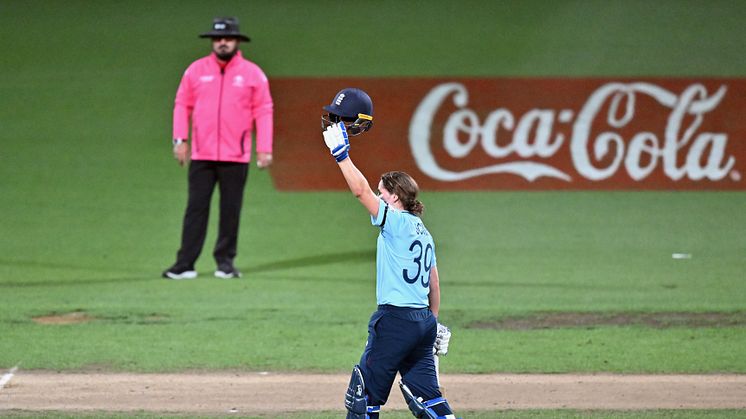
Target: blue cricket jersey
(405,254)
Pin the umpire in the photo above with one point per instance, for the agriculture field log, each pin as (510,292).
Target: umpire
(225,97)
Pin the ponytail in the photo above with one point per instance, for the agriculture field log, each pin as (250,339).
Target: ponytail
(417,207)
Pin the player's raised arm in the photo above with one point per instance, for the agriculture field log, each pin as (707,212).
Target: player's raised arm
(350,114)
(336,139)
(359,186)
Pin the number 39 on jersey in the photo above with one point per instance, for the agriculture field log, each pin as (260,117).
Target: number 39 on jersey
(423,261)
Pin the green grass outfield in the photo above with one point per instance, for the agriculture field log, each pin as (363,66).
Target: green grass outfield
(305,302)
(91,200)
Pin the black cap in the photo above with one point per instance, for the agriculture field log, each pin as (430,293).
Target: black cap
(225,27)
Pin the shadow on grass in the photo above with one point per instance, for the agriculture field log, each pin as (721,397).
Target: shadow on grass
(492,283)
(360,256)
(589,320)
(69,282)
(92,275)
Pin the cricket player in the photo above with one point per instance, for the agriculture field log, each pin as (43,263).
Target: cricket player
(402,332)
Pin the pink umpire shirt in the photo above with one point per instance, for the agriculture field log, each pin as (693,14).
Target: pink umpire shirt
(224,107)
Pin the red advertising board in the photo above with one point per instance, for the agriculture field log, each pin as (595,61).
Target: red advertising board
(523,133)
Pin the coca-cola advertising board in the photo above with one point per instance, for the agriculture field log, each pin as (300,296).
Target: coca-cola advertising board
(523,133)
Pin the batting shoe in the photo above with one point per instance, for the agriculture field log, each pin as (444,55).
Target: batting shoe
(176,272)
(227,272)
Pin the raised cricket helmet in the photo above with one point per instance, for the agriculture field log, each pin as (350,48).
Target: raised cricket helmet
(351,106)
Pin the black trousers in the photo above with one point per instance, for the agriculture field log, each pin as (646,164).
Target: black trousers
(203,176)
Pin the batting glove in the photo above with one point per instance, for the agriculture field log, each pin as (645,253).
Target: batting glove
(442,339)
(335,137)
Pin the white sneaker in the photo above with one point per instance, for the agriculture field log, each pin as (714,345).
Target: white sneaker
(177,274)
(227,273)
